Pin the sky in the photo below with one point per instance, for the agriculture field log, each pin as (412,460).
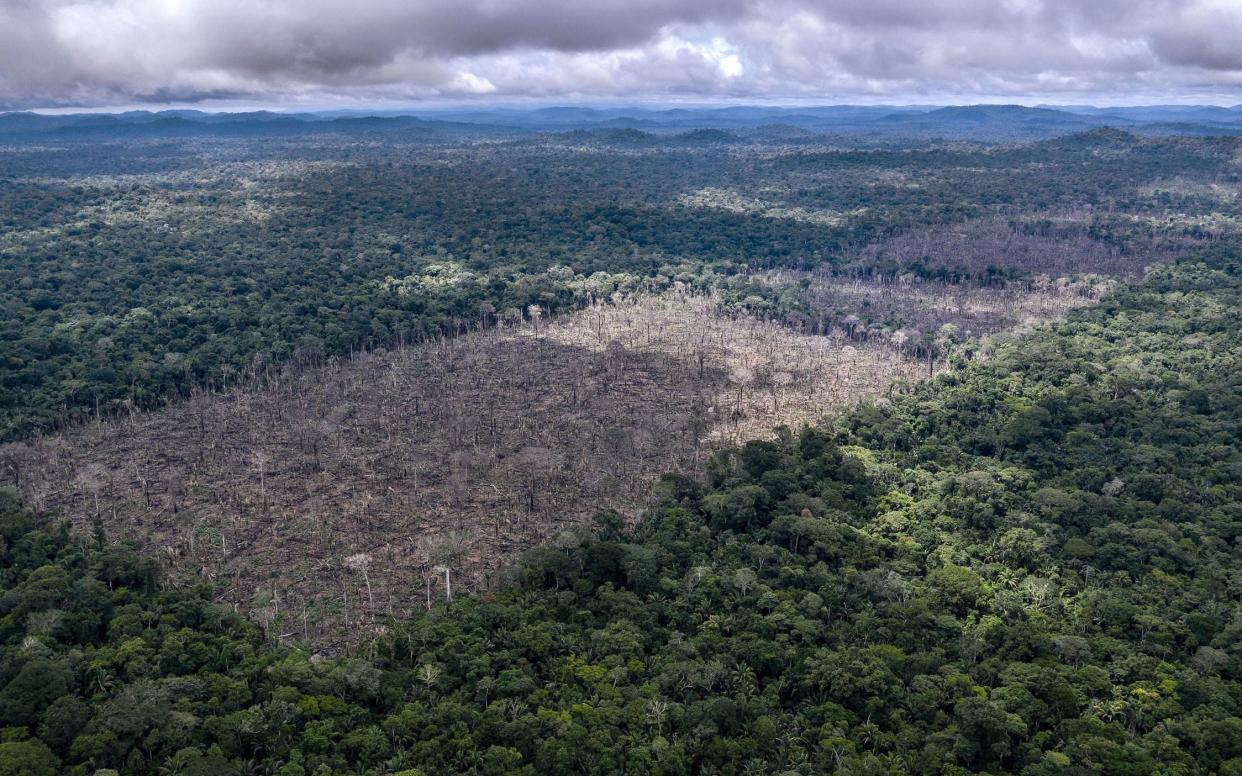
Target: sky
(321,53)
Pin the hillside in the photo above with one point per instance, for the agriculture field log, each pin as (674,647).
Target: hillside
(1026,566)
(978,123)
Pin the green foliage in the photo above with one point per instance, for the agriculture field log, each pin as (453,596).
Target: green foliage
(132,272)
(1029,566)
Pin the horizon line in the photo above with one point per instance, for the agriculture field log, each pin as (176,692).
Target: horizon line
(528,106)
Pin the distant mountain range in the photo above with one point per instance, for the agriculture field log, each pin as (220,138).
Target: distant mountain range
(984,123)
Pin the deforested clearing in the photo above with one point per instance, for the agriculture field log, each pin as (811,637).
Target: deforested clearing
(901,310)
(335,495)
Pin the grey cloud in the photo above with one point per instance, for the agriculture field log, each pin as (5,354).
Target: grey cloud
(1206,38)
(58,52)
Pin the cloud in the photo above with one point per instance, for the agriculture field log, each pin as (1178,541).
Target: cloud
(108,52)
(1206,36)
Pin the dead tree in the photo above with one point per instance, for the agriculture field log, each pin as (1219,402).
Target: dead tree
(614,359)
(535,312)
(440,554)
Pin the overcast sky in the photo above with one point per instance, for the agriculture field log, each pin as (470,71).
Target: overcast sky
(60,53)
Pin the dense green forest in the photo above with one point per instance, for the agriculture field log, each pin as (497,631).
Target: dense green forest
(130,272)
(1028,565)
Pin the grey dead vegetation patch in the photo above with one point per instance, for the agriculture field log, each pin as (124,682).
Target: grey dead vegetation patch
(1062,244)
(372,486)
(1218,191)
(900,311)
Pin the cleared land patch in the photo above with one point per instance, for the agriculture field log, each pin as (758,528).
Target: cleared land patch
(364,487)
(1064,244)
(903,310)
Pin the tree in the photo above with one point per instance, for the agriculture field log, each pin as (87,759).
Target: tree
(986,735)
(744,580)
(443,552)
(535,312)
(39,682)
(27,758)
